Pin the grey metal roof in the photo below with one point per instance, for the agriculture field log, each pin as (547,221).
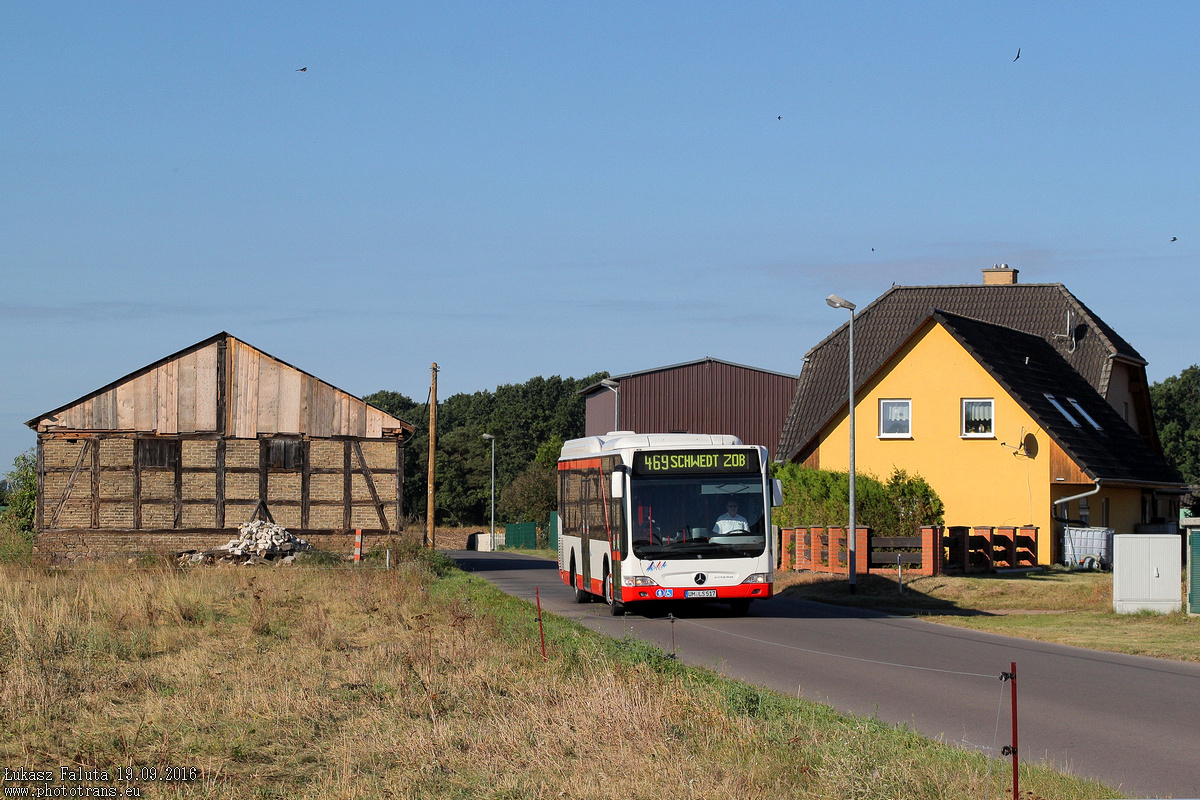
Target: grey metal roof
(1046,310)
(707,359)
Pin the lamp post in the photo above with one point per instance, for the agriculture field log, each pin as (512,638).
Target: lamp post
(852,539)
(616,389)
(487,437)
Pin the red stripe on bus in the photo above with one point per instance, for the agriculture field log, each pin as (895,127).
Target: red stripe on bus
(585,463)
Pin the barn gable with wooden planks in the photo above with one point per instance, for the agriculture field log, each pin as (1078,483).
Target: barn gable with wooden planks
(175,455)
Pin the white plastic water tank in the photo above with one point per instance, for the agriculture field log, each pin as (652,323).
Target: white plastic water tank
(1147,574)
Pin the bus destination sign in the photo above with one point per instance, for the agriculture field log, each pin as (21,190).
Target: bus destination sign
(694,462)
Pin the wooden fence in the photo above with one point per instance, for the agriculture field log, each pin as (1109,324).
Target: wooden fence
(936,551)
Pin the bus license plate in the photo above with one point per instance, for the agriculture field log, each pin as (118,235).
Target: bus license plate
(700,593)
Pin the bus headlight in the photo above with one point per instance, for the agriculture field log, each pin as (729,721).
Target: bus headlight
(639,580)
(758,577)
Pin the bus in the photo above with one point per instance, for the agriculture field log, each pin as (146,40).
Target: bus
(645,518)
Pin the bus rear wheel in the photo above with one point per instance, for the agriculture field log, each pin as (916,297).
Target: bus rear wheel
(580,595)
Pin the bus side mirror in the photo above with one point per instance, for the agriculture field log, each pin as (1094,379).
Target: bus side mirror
(618,484)
(776,493)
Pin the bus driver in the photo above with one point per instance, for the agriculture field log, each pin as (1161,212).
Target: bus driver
(731,522)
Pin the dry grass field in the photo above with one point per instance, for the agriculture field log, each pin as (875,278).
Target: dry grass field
(314,682)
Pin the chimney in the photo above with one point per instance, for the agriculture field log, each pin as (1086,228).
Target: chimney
(1001,275)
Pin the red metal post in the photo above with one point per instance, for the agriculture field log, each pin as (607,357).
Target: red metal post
(1013,681)
(358,544)
(541,630)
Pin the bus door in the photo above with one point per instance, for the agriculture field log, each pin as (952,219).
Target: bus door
(612,485)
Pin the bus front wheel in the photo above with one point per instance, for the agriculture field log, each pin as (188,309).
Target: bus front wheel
(614,608)
(740,608)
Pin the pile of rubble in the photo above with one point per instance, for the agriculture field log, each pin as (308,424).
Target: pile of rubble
(258,542)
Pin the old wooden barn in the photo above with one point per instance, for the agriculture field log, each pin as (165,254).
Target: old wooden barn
(179,453)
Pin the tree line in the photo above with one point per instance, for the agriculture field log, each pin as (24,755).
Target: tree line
(530,421)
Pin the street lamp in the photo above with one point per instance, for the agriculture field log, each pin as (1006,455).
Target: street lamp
(852,540)
(616,389)
(487,437)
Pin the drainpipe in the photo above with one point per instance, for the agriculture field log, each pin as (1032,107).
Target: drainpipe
(1080,496)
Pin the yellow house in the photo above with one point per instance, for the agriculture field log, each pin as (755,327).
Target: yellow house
(998,420)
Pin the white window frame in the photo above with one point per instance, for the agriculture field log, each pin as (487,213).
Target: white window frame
(907,401)
(962,418)
(1061,409)
(1075,404)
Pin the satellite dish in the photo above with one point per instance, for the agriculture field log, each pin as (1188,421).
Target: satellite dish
(1029,446)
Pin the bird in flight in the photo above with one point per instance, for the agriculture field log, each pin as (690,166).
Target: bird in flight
(1018,55)
(779,118)
(1174,238)
(302,69)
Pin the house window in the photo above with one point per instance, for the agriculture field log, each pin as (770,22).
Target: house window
(978,418)
(158,453)
(895,419)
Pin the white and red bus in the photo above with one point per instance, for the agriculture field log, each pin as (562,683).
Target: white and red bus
(666,516)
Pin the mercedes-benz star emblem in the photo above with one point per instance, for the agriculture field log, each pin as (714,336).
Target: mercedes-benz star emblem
(700,578)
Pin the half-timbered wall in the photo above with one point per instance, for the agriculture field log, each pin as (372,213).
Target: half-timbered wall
(110,493)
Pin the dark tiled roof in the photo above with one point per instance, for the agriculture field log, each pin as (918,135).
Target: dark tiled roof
(1046,310)
(1029,369)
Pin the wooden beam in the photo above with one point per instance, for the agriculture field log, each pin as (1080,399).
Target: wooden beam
(39,506)
(305,484)
(400,485)
(137,488)
(96,482)
(87,443)
(220,481)
(178,492)
(264,460)
(222,385)
(371,485)
(347,486)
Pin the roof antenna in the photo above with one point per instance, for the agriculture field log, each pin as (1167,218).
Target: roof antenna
(1070,334)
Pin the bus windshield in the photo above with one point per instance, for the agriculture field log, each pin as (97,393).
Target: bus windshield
(697,516)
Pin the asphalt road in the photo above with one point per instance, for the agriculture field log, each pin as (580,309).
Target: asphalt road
(1129,721)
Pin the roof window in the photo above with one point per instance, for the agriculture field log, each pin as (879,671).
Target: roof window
(1062,410)
(1084,414)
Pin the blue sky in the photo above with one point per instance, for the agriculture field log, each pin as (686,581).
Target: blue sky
(514,190)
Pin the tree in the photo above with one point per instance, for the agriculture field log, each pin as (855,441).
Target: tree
(531,496)
(22,492)
(1176,403)
(524,418)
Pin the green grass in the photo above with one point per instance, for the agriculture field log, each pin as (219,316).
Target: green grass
(1058,606)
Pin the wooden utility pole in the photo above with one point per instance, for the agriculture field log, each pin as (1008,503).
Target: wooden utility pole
(429,535)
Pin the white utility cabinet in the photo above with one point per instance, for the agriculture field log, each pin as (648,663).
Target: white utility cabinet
(1147,574)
